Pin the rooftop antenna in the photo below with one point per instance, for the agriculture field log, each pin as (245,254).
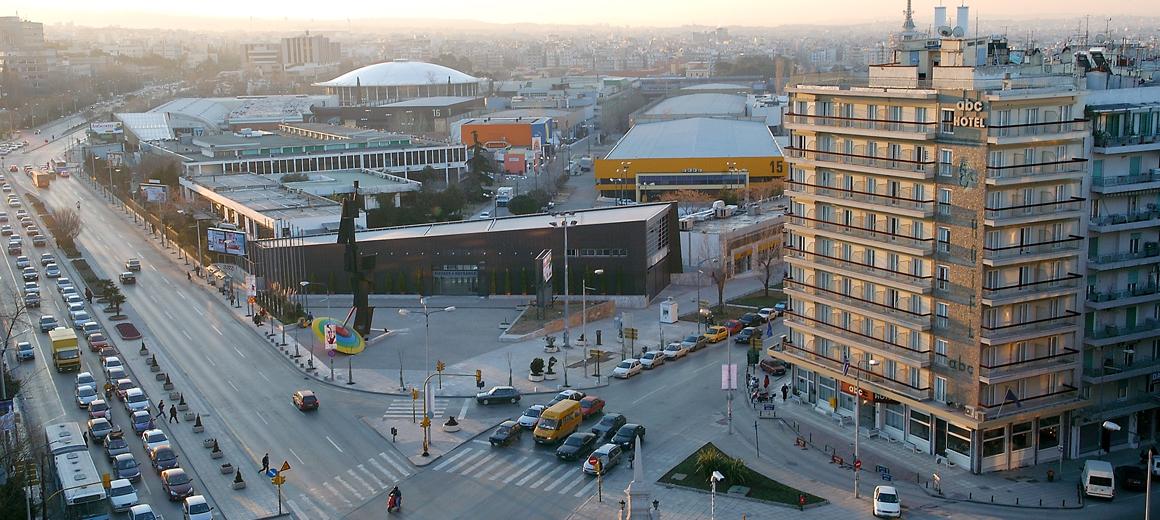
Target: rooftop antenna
(908,23)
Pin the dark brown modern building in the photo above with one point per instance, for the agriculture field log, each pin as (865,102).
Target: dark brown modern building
(636,246)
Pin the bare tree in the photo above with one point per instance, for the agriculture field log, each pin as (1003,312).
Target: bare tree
(13,314)
(68,225)
(687,201)
(720,274)
(769,258)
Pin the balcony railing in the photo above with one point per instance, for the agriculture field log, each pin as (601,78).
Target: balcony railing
(910,318)
(860,196)
(1073,166)
(915,356)
(997,370)
(1124,180)
(1099,297)
(926,168)
(884,125)
(1121,370)
(1001,333)
(1102,140)
(1126,218)
(1015,209)
(1151,250)
(872,270)
(879,233)
(1037,129)
(914,392)
(1114,331)
(1064,394)
(1067,282)
(1071,243)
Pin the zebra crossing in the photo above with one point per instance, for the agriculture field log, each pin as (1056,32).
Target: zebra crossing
(406,408)
(533,471)
(344,490)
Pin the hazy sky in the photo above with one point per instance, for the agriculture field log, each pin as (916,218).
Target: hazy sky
(613,12)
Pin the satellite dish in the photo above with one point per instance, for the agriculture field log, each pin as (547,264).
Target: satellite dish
(957,32)
(944,30)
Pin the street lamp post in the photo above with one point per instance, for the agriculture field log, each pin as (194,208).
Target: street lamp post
(565,221)
(700,274)
(427,329)
(857,415)
(584,305)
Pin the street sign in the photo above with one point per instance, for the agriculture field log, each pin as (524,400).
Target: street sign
(285,466)
(630,333)
(278,480)
(330,352)
(729,376)
(251,299)
(271,473)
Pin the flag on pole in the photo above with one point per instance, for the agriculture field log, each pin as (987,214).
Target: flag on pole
(845,365)
(1012,397)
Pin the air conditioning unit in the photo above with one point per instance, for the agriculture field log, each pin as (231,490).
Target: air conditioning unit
(969,410)
(686,224)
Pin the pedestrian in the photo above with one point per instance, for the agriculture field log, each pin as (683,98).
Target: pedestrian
(785,392)
(160,409)
(265,463)
(173,414)
(394,432)
(89,294)
(766,382)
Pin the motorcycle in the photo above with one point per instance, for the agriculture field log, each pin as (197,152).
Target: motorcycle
(394,503)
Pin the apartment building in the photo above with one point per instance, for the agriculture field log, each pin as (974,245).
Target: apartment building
(935,251)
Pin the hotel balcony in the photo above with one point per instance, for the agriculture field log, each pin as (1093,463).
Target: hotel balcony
(1109,372)
(1126,221)
(854,269)
(1016,213)
(1108,144)
(1038,172)
(899,240)
(880,311)
(1102,336)
(877,128)
(874,382)
(999,334)
(1097,410)
(1149,180)
(1023,253)
(896,167)
(1149,255)
(1103,300)
(870,342)
(1006,371)
(996,296)
(1067,396)
(898,205)
(1030,133)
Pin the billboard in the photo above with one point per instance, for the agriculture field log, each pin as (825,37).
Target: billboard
(545,259)
(226,241)
(113,127)
(153,192)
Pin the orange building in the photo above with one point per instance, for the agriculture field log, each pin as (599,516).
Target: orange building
(514,132)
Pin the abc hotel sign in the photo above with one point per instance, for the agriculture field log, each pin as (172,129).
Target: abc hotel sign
(969,114)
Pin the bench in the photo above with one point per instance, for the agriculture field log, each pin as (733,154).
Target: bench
(869,433)
(911,446)
(842,420)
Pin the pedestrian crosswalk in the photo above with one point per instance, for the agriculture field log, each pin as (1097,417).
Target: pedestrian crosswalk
(406,408)
(353,486)
(540,471)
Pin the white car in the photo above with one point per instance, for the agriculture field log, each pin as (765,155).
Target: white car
(531,416)
(767,313)
(85,395)
(85,378)
(627,369)
(196,508)
(484,215)
(652,359)
(142,512)
(135,399)
(886,502)
(110,362)
(153,438)
(79,318)
(122,495)
(676,350)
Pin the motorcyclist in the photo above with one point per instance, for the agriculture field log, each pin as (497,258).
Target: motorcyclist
(396,496)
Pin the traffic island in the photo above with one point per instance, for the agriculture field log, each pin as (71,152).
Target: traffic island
(740,481)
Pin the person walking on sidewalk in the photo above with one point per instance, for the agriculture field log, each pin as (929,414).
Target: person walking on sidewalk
(784,392)
(766,382)
(173,414)
(265,463)
(160,409)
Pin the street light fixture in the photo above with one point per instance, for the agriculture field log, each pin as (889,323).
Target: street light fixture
(858,413)
(699,276)
(565,221)
(427,359)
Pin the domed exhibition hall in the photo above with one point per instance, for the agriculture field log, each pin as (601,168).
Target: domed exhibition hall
(400,80)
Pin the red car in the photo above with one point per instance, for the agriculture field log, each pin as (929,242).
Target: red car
(591,405)
(734,326)
(97,341)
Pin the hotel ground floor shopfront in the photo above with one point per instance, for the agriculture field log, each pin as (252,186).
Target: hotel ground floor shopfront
(1023,438)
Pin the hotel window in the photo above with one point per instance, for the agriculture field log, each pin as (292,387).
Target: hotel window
(948,121)
(894,417)
(944,201)
(1020,436)
(944,240)
(994,441)
(959,440)
(940,351)
(945,160)
(940,389)
(942,277)
(914,374)
(920,115)
(920,425)
(1048,432)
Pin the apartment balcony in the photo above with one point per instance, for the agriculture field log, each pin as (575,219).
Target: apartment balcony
(1015,213)
(995,296)
(1103,300)
(1109,372)
(1126,221)
(1066,396)
(854,269)
(877,128)
(899,239)
(895,167)
(1030,133)
(1023,253)
(868,342)
(870,380)
(1107,144)
(1009,370)
(868,307)
(899,205)
(1101,410)
(1039,172)
(1008,333)
(1149,180)
(1102,336)
(1149,255)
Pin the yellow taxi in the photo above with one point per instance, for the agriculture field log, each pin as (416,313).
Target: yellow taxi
(716,334)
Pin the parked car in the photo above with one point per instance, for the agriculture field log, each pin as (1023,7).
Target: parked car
(746,335)
(1132,478)
(577,445)
(153,438)
(90,328)
(591,405)
(779,308)
(122,495)
(715,334)
(652,359)
(99,427)
(886,502)
(608,425)
(506,433)
(767,313)
(305,400)
(196,508)
(733,326)
(135,399)
(751,319)
(25,351)
(498,394)
(574,395)
(142,512)
(125,466)
(98,408)
(141,420)
(85,395)
(531,417)
(626,436)
(162,457)
(627,368)
(773,367)
(115,445)
(97,342)
(47,323)
(676,350)
(177,484)
(608,456)
(694,342)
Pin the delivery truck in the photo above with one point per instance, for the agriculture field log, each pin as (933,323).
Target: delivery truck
(66,355)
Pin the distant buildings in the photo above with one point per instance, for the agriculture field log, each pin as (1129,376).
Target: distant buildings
(23,55)
(300,55)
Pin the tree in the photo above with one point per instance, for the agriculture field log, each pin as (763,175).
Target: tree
(720,274)
(13,314)
(523,205)
(102,287)
(68,226)
(769,258)
(688,201)
(115,298)
(480,165)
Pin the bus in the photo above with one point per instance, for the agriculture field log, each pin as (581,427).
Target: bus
(80,487)
(59,167)
(41,179)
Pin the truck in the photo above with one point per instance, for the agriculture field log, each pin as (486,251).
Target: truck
(66,354)
(504,195)
(41,179)
(586,163)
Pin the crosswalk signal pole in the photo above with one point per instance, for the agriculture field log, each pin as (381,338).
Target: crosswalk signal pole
(599,481)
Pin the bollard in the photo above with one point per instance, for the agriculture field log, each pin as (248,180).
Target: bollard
(1064,503)
(970,495)
(1016,500)
(1041,502)
(992,499)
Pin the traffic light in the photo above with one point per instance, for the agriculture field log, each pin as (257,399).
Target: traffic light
(425,422)
(414,394)
(478,377)
(439,366)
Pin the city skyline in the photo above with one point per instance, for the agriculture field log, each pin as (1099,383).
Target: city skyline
(645,13)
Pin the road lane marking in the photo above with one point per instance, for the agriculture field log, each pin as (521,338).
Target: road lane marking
(405,471)
(478,464)
(353,491)
(354,477)
(548,476)
(646,396)
(464,462)
(332,443)
(463,411)
(531,474)
(259,414)
(296,456)
(306,498)
(294,507)
(452,459)
(186,334)
(564,490)
(483,470)
(210,359)
(154,268)
(586,489)
(379,466)
(264,377)
(231,383)
(182,295)
(199,311)
(516,463)
(558,481)
(374,477)
(217,330)
(239,352)
(170,316)
(481,441)
(337,494)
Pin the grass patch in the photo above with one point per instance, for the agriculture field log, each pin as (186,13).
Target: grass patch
(531,320)
(759,300)
(85,271)
(700,465)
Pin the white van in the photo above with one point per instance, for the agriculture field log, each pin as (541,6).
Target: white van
(1098,480)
